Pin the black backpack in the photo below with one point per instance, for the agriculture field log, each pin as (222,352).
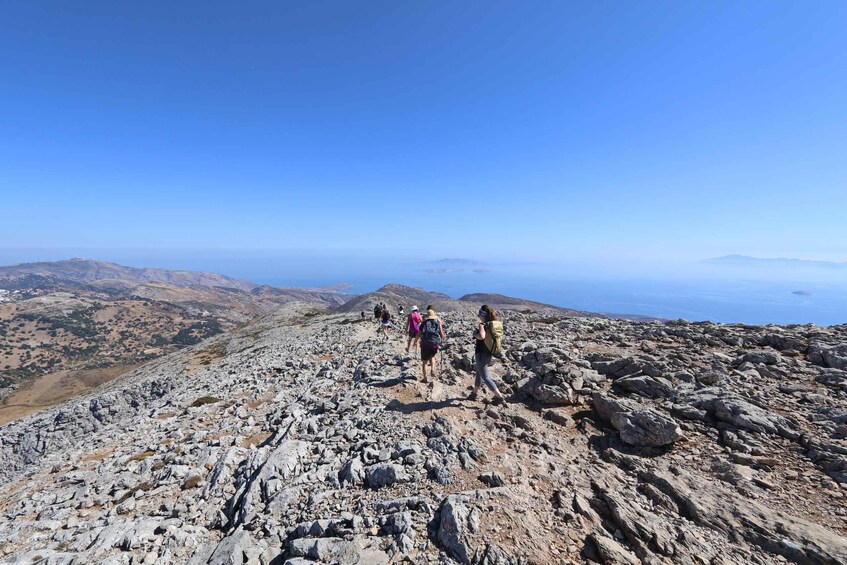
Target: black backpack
(430,334)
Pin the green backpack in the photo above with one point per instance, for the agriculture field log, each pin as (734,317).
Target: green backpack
(493,335)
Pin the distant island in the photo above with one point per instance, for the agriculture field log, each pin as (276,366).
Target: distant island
(455,261)
(747,261)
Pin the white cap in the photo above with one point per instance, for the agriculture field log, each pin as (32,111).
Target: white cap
(414,308)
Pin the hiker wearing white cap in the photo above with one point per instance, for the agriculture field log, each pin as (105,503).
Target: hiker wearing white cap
(413,328)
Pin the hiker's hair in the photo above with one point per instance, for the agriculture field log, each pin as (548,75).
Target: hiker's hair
(489,311)
(430,308)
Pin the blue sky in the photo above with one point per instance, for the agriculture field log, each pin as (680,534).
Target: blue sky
(525,130)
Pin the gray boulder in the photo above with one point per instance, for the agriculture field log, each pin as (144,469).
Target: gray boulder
(610,551)
(385,474)
(452,529)
(726,406)
(638,426)
(230,551)
(560,395)
(834,356)
(353,472)
(782,342)
(755,357)
(651,387)
(646,428)
(606,406)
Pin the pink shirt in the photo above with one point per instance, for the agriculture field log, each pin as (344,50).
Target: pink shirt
(415,322)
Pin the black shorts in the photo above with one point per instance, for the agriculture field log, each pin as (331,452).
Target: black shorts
(428,352)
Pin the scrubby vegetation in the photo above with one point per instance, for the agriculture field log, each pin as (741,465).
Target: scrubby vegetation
(203,400)
(197,332)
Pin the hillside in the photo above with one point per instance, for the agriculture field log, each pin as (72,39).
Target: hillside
(303,438)
(501,302)
(68,326)
(87,272)
(394,295)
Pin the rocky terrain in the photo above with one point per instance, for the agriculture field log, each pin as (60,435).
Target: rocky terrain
(310,440)
(69,325)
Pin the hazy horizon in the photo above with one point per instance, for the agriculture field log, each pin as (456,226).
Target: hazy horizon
(692,290)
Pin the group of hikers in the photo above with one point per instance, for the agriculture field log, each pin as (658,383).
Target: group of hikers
(427,334)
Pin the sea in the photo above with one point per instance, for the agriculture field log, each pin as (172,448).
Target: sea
(742,301)
(718,295)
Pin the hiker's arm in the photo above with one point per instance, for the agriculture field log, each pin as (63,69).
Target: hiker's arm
(481,331)
(441,329)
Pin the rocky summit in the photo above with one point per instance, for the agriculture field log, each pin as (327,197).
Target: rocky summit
(310,439)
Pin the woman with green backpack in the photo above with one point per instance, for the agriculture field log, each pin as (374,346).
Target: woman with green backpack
(487,335)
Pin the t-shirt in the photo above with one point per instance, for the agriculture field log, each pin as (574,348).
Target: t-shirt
(415,322)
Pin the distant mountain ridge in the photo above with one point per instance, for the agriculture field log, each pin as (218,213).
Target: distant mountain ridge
(747,261)
(394,295)
(85,271)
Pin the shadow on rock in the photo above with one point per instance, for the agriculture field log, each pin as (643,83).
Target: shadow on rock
(410,407)
(388,383)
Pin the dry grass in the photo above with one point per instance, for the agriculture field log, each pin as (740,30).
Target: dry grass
(206,356)
(255,439)
(99,455)
(253,404)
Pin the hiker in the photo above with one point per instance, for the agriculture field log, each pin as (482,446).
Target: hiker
(431,337)
(377,311)
(385,322)
(400,311)
(363,315)
(413,328)
(488,333)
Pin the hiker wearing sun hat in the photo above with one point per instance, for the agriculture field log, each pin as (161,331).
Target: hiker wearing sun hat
(413,328)
(432,335)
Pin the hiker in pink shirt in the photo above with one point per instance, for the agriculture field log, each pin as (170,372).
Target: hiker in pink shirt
(413,326)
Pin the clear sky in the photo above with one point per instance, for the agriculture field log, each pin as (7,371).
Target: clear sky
(522,129)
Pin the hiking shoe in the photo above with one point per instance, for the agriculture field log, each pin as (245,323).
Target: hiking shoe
(472,396)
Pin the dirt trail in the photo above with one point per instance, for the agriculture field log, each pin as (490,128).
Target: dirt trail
(529,451)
